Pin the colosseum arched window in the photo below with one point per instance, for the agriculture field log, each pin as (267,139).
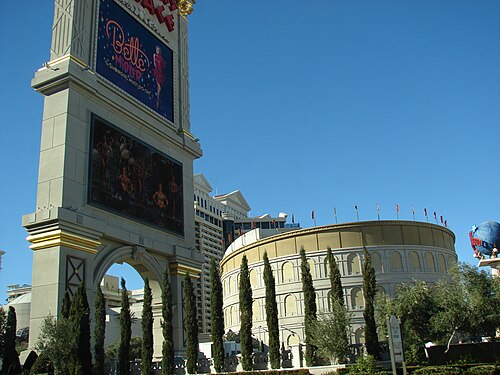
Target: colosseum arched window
(430,266)
(229,285)
(287,272)
(290,305)
(353,265)
(396,262)
(312,267)
(357,301)
(442,263)
(359,336)
(414,260)
(234,315)
(229,315)
(292,339)
(253,278)
(376,262)
(256,316)
(380,289)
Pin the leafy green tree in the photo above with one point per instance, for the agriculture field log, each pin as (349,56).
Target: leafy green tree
(57,343)
(9,356)
(112,351)
(80,318)
(310,309)
(217,317)
(99,331)
(245,299)
(336,290)
(415,305)
(466,304)
(167,361)
(369,292)
(147,330)
(125,333)
(272,315)
(191,325)
(330,333)
(66,305)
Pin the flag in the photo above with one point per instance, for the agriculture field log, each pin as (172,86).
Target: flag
(239,231)
(253,224)
(312,215)
(441,217)
(435,216)
(397,208)
(446,223)
(293,219)
(425,212)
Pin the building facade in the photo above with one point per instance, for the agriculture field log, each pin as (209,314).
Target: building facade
(401,251)
(221,222)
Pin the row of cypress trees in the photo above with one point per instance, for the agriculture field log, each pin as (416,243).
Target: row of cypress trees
(310,310)
(77,315)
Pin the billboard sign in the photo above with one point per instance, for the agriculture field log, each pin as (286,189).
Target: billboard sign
(133,179)
(133,59)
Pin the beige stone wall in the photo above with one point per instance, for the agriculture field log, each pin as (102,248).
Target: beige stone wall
(401,252)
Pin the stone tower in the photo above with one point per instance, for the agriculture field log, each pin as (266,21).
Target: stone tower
(115,181)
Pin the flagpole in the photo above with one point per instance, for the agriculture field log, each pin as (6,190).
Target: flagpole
(413,212)
(335,214)
(378,212)
(357,213)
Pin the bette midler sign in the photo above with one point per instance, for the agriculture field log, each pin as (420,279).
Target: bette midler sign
(133,59)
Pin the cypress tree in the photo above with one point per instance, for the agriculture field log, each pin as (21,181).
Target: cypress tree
(245,299)
(369,291)
(272,315)
(80,318)
(147,330)
(310,309)
(167,361)
(125,333)
(217,317)
(191,325)
(336,291)
(66,305)
(9,356)
(340,316)
(99,331)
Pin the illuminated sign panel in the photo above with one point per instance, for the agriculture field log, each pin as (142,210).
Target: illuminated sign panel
(133,59)
(133,179)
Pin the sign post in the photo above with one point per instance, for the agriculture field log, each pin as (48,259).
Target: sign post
(395,343)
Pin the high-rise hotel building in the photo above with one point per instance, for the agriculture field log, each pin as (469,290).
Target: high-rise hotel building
(222,221)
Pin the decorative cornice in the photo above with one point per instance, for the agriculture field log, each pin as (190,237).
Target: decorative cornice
(182,269)
(61,237)
(186,7)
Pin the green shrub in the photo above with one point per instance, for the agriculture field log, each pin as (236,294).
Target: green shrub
(365,365)
(438,370)
(481,370)
(42,365)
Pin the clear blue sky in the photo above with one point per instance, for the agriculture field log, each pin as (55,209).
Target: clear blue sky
(305,106)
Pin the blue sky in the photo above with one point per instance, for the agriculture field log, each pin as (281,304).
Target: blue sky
(305,107)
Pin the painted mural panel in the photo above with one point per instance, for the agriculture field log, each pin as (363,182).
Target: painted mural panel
(133,59)
(133,179)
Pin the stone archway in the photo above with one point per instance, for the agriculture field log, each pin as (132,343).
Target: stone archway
(147,266)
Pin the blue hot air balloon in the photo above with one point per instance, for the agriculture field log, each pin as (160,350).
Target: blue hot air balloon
(485,237)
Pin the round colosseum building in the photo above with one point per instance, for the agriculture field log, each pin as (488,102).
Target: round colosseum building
(401,251)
